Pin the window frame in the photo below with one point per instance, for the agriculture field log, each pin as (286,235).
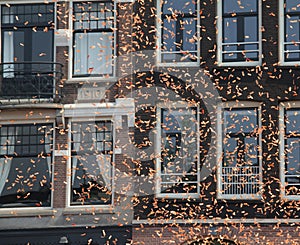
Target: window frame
(282,33)
(159,25)
(220,138)
(96,77)
(282,139)
(158,148)
(69,204)
(220,42)
(20,121)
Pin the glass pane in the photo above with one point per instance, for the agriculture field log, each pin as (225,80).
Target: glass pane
(292,6)
(91,179)
(293,156)
(292,121)
(230,30)
(183,6)
(241,6)
(292,29)
(236,121)
(43,46)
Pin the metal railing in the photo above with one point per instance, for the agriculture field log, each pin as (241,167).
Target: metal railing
(242,180)
(30,80)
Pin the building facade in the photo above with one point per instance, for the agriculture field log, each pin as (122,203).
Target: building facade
(150,122)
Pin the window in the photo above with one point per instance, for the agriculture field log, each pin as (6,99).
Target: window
(289,31)
(93,38)
(240,151)
(239,32)
(91,160)
(178,32)
(27,48)
(26,165)
(290,150)
(27,36)
(178,144)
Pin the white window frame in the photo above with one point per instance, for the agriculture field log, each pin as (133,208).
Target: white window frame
(281,37)
(158,193)
(69,176)
(159,39)
(16,118)
(220,38)
(220,120)
(72,78)
(282,107)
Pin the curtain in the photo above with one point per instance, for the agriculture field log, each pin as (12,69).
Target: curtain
(93,53)
(8,54)
(76,144)
(5,163)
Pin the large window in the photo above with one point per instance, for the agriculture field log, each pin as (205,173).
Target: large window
(178,32)
(27,37)
(178,144)
(240,151)
(91,160)
(290,150)
(289,31)
(93,38)
(239,32)
(26,165)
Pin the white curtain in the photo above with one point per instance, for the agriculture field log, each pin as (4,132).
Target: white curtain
(8,54)
(93,53)
(5,163)
(48,148)
(76,144)
(104,164)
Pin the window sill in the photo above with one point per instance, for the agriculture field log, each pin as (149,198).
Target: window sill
(26,212)
(239,197)
(88,210)
(92,79)
(291,198)
(179,64)
(239,64)
(177,196)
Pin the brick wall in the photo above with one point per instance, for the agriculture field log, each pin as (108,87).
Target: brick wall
(242,234)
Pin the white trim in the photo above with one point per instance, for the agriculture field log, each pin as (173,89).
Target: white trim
(220,39)
(214,221)
(282,107)
(175,105)
(159,34)
(99,78)
(281,33)
(237,105)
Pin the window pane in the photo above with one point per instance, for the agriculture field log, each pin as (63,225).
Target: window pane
(241,6)
(171,6)
(293,156)
(292,121)
(292,6)
(236,121)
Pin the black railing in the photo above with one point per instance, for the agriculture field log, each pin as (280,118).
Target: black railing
(30,80)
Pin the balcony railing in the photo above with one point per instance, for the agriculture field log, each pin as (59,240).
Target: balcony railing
(30,81)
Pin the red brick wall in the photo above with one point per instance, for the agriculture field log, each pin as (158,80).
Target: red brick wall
(243,234)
